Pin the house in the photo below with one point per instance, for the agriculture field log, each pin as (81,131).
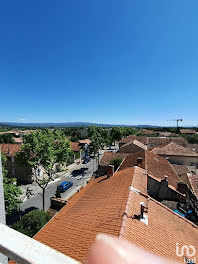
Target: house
(193,180)
(165,133)
(155,165)
(132,147)
(85,145)
(77,149)
(119,206)
(193,147)
(130,138)
(153,141)
(177,154)
(188,131)
(148,132)
(105,161)
(156,141)
(180,169)
(18,140)
(15,170)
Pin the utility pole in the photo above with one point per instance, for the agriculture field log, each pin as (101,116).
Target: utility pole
(3,258)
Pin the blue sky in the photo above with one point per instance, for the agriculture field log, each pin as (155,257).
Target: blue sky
(109,61)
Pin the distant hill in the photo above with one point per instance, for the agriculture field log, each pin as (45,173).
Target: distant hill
(68,124)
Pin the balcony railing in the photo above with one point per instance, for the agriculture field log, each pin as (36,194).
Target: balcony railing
(25,250)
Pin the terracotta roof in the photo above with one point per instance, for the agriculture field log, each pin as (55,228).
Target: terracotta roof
(154,140)
(130,138)
(108,156)
(188,131)
(147,132)
(10,149)
(156,166)
(85,141)
(193,178)
(108,206)
(97,208)
(165,133)
(173,149)
(165,228)
(75,146)
(193,147)
(180,169)
(166,140)
(132,144)
(18,140)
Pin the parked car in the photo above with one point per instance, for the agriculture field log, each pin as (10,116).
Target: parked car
(86,160)
(65,185)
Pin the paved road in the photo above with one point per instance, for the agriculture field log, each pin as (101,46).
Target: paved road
(36,200)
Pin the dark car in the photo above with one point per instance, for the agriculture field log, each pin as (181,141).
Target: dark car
(86,160)
(65,185)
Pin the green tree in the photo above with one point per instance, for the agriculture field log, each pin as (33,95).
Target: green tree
(11,191)
(41,151)
(116,163)
(32,222)
(7,139)
(116,134)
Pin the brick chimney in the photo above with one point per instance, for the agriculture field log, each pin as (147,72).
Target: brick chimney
(110,171)
(140,162)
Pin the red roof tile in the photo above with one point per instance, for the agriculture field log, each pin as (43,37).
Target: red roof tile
(156,166)
(97,208)
(108,206)
(173,149)
(10,149)
(75,146)
(180,169)
(108,156)
(193,179)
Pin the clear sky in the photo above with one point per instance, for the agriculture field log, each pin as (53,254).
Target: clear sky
(107,61)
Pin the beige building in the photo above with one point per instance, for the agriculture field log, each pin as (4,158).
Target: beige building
(177,154)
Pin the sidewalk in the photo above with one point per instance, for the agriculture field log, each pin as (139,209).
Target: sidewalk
(36,189)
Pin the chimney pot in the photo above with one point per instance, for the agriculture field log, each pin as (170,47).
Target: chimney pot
(110,171)
(139,162)
(142,204)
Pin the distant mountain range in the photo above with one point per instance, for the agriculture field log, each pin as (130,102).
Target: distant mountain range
(68,124)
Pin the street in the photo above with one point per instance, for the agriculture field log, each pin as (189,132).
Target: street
(36,199)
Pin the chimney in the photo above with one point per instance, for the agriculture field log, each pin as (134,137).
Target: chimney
(140,162)
(166,178)
(110,171)
(142,204)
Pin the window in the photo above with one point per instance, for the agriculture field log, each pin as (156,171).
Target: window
(12,159)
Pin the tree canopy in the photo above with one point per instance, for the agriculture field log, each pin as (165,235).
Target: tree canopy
(116,163)
(32,222)
(41,151)
(11,191)
(7,139)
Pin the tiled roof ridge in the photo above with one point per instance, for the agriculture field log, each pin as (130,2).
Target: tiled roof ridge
(125,214)
(120,164)
(127,144)
(128,203)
